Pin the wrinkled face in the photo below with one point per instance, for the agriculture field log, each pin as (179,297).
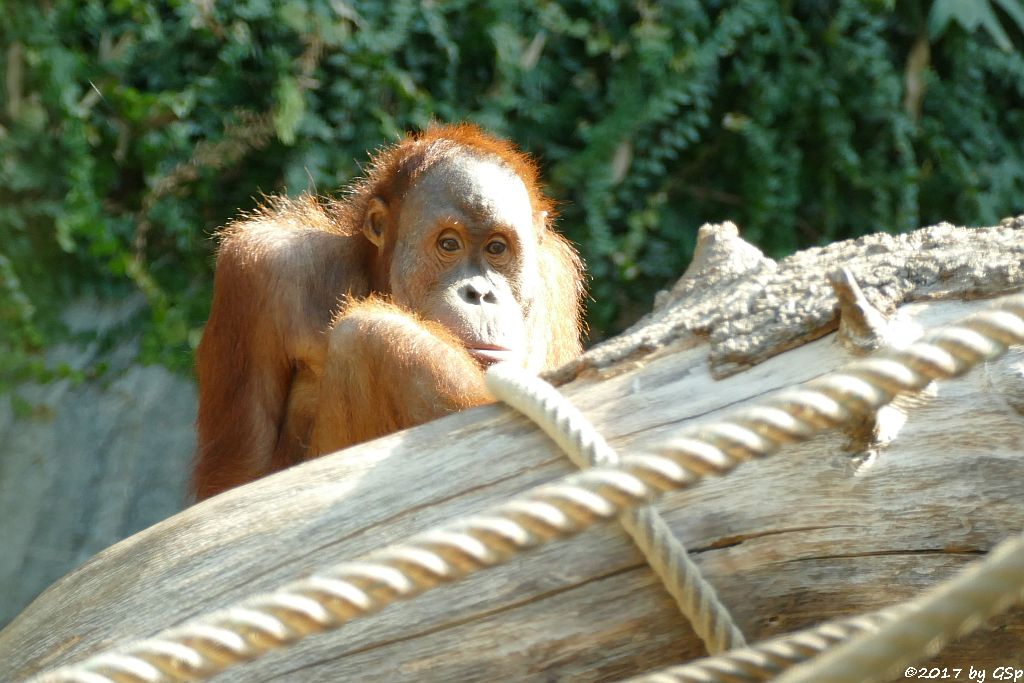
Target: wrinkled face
(465,254)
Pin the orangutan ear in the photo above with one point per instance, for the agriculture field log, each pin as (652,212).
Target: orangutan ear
(375,221)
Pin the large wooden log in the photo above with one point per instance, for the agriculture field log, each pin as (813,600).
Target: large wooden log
(848,522)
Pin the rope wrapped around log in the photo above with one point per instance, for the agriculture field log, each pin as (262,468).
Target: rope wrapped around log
(214,642)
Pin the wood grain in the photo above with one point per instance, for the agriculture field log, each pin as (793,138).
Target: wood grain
(847,522)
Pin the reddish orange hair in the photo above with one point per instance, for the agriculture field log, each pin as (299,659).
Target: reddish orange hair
(393,168)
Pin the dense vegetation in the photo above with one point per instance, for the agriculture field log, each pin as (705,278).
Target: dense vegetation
(131,129)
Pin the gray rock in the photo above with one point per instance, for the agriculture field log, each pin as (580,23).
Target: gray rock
(94,462)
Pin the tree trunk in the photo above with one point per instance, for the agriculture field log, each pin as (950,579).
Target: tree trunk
(848,522)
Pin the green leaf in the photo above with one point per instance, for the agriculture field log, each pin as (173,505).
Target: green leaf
(963,12)
(1015,10)
(970,14)
(991,23)
(63,234)
(289,109)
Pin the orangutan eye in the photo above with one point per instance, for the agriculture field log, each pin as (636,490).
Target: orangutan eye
(496,248)
(449,244)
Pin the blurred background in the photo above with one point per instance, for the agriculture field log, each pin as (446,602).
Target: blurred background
(130,130)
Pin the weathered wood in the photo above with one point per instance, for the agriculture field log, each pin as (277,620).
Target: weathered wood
(845,523)
(750,308)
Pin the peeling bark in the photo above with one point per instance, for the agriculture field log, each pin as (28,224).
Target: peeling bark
(751,308)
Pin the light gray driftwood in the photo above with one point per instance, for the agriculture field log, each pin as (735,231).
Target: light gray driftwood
(848,522)
(750,308)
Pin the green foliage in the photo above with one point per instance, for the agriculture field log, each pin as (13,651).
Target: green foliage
(970,14)
(131,130)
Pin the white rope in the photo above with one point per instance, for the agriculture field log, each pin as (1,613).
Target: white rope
(566,425)
(765,660)
(218,640)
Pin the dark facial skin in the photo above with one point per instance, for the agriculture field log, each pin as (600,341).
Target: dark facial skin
(466,244)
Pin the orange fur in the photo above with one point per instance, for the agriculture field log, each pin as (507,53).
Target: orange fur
(303,353)
(449,382)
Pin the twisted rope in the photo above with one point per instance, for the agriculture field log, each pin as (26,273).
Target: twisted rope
(764,661)
(566,425)
(219,640)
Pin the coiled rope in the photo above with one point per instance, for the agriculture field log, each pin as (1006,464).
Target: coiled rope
(566,425)
(216,641)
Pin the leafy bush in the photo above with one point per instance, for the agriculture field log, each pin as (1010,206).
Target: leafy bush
(131,129)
